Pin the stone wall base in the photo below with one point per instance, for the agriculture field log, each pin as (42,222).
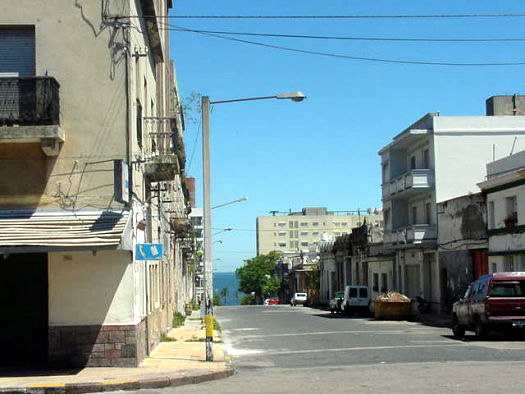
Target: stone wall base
(97,345)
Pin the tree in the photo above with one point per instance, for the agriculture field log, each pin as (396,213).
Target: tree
(248,299)
(216,299)
(258,276)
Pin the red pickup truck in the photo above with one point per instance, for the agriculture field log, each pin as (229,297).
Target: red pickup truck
(491,302)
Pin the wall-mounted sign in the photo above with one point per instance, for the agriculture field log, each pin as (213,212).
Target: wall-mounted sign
(149,251)
(121,181)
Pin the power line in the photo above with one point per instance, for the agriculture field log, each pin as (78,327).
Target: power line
(370,59)
(401,16)
(351,38)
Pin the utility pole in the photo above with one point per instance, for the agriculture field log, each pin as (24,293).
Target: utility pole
(208,270)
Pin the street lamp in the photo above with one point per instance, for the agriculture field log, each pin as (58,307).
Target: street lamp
(230,202)
(208,269)
(222,231)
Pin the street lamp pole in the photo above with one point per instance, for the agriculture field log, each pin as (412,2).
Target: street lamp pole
(208,269)
(207,257)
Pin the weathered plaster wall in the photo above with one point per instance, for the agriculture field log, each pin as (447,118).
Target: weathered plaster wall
(91,290)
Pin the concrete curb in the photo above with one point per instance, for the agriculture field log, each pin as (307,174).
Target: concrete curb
(129,384)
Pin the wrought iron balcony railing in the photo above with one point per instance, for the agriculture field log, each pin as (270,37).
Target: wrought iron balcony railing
(29,101)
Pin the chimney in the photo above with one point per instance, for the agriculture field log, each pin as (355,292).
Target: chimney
(190,182)
(506,105)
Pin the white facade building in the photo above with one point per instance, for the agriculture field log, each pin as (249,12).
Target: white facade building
(437,158)
(505,191)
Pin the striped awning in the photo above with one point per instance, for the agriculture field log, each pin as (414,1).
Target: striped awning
(63,230)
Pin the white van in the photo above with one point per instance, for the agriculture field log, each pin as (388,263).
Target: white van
(356,299)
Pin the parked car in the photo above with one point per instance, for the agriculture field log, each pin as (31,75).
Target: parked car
(274,301)
(356,300)
(299,299)
(336,301)
(495,301)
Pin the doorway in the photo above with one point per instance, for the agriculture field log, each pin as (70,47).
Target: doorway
(24,309)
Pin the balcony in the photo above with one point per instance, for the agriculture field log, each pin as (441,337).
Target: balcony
(30,112)
(414,234)
(412,182)
(160,150)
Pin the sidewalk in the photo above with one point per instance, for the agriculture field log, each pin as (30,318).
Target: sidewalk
(171,364)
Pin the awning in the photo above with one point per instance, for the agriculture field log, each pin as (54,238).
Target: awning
(61,230)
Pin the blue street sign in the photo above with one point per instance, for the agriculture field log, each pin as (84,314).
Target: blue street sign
(149,251)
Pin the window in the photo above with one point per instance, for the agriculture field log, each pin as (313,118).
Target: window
(507,289)
(282,234)
(291,234)
(363,292)
(198,233)
(344,224)
(282,244)
(426,159)
(491,215)
(196,220)
(385,172)
(414,214)
(375,283)
(384,283)
(508,263)
(315,233)
(315,224)
(494,267)
(428,213)
(291,224)
(304,224)
(337,224)
(281,224)
(304,233)
(139,123)
(413,162)
(353,292)
(304,243)
(512,211)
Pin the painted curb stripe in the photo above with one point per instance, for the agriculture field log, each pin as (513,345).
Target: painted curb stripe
(36,386)
(113,382)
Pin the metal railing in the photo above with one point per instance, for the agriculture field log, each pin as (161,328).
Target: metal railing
(159,137)
(28,101)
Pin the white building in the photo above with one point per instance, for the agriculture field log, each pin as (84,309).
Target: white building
(435,159)
(196,217)
(505,191)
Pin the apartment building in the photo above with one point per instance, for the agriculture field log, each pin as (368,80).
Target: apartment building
(295,232)
(438,158)
(92,166)
(505,193)
(197,221)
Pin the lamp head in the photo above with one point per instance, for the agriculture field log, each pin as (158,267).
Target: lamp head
(294,96)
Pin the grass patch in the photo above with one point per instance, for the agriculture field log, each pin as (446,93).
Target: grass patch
(202,340)
(165,338)
(216,325)
(178,320)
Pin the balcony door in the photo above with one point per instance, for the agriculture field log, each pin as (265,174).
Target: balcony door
(17,51)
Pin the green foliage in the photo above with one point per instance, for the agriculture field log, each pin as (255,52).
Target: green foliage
(191,107)
(216,325)
(195,305)
(166,338)
(248,299)
(271,286)
(216,300)
(257,275)
(178,320)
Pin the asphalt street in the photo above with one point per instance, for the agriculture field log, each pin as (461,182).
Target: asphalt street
(295,350)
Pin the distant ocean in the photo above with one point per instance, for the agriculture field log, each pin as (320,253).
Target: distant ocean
(229,281)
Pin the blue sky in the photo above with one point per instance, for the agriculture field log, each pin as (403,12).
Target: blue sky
(323,151)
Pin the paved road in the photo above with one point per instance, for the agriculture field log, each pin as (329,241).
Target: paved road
(294,350)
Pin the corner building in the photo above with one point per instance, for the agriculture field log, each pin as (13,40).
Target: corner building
(92,164)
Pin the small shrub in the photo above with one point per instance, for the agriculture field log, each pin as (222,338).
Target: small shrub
(165,338)
(248,299)
(178,320)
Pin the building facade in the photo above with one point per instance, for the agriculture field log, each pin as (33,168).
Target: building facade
(505,193)
(92,169)
(438,158)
